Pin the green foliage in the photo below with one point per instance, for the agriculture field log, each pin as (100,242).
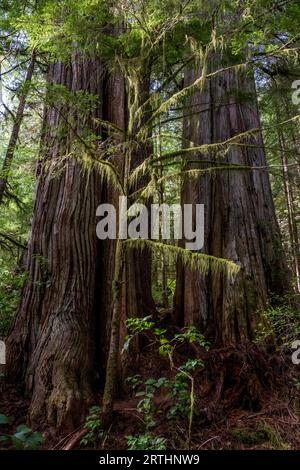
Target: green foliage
(23,438)
(146,442)
(136,325)
(10,288)
(192,335)
(165,348)
(180,392)
(281,321)
(146,406)
(93,426)
(180,388)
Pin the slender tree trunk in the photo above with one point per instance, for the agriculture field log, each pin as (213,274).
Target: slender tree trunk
(292,224)
(240,222)
(139,264)
(163,261)
(113,355)
(115,111)
(6,167)
(137,286)
(132,294)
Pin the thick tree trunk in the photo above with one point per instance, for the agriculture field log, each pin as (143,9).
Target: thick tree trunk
(60,338)
(240,222)
(51,344)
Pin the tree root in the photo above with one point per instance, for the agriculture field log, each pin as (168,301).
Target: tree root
(238,378)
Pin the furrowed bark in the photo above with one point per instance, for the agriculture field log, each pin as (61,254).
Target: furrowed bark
(240,222)
(50,348)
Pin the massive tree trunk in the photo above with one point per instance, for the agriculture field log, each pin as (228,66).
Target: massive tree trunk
(240,222)
(50,347)
(58,344)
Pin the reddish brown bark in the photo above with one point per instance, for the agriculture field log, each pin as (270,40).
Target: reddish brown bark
(240,222)
(51,344)
(58,344)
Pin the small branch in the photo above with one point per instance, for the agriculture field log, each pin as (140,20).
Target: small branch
(14,67)
(12,240)
(75,439)
(208,440)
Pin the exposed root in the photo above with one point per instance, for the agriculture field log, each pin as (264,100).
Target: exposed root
(238,378)
(75,439)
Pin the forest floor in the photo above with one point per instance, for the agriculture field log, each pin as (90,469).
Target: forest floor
(221,421)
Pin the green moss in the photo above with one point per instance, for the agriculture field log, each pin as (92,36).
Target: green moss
(263,434)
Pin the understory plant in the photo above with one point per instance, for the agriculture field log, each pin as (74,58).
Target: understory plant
(282,321)
(23,438)
(10,288)
(93,426)
(146,442)
(180,388)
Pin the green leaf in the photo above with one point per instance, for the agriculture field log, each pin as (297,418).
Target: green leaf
(34,440)
(23,430)
(4,419)
(150,382)
(161,381)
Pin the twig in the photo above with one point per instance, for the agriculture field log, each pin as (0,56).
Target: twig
(75,439)
(64,439)
(208,440)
